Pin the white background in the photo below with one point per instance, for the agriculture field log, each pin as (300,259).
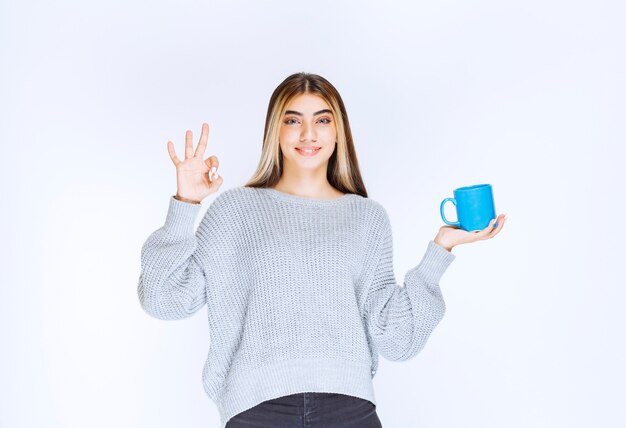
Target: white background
(527,95)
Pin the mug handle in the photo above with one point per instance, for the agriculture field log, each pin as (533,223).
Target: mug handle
(443,216)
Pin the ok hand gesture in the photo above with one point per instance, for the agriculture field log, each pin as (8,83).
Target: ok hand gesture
(193,175)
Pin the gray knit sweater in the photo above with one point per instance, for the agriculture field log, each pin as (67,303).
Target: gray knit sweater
(300,293)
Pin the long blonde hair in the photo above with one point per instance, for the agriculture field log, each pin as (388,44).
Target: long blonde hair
(343,168)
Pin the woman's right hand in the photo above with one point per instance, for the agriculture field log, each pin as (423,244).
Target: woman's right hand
(193,175)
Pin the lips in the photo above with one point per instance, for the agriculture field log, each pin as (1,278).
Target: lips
(308,151)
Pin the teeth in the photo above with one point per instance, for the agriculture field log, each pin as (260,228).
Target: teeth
(308,150)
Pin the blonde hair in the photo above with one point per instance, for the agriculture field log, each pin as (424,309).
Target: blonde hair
(343,168)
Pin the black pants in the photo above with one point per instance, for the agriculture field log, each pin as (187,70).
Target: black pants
(309,410)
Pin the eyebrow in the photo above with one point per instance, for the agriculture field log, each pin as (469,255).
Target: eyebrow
(314,114)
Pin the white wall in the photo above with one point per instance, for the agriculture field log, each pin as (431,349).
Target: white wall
(528,96)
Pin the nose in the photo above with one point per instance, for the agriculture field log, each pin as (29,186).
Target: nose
(308,133)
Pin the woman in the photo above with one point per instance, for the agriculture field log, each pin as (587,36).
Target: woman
(296,270)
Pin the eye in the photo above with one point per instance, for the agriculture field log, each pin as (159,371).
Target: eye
(290,121)
(326,119)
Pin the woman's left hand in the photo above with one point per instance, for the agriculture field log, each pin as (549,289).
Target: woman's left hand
(451,236)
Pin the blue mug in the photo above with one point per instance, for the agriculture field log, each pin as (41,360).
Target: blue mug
(474,207)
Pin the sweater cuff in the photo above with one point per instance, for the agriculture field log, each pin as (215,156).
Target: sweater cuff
(434,263)
(181,217)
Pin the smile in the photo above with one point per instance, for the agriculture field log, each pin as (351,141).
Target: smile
(308,152)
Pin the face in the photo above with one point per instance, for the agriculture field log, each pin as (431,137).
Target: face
(308,123)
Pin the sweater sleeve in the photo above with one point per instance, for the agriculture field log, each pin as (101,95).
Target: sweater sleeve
(172,280)
(401,319)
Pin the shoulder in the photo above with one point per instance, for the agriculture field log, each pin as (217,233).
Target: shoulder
(225,207)
(232,205)
(232,198)
(375,214)
(374,225)
(224,219)
(375,229)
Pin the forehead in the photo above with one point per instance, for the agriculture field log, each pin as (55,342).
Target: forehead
(307,103)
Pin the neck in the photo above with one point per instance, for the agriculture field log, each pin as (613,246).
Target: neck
(307,186)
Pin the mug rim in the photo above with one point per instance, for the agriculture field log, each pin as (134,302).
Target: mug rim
(472,187)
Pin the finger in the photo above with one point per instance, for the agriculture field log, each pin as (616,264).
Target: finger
(172,153)
(188,145)
(204,137)
(501,219)
(213,164)
(218,180)
(484,234)
(487,230)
